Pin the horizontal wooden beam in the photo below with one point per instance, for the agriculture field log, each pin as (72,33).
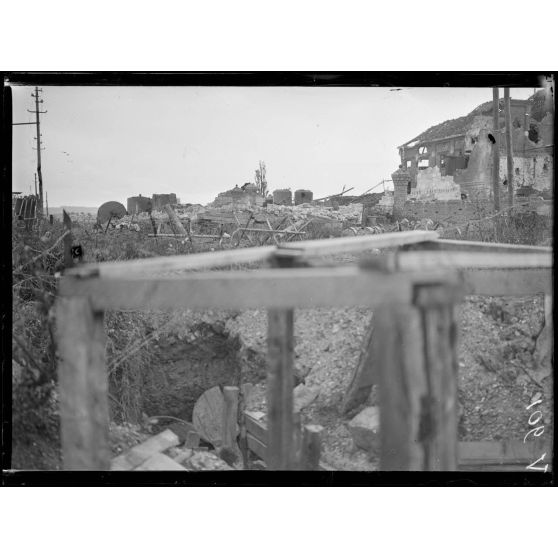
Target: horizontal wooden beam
(165,264)
(261,288)
(472,246)
(506,282)
(294,287)
(425,260)
(327,246)
(507,452)
(222,258)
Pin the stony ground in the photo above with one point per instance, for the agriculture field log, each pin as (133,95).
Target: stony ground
(498,373)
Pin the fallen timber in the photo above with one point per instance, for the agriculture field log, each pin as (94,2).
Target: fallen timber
(406,290)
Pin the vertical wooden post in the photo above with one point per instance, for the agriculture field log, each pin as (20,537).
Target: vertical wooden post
(439,412)
(280,388)
(67,221)
(311,447)
(398,347)
(509,144)
(496,148)
(415,347)
(83,385)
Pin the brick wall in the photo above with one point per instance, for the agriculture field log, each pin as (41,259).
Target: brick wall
(401,179)
(462,212)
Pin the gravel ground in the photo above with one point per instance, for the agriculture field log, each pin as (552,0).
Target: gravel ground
(498,375)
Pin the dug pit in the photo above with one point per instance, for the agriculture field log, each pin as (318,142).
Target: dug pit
(185,367)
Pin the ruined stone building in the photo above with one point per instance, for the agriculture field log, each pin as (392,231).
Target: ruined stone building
(453,160)
(244,197)
(138,204)
(160,200)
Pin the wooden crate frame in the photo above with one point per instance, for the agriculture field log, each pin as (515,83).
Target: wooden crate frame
(442,271)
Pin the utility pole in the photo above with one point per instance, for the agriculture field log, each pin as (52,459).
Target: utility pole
(509,144)
(46,194)
(496,151)
(38,138)
(35,184)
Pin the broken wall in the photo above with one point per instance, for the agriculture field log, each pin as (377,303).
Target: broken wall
(238,199)
(431,185)
(282,197)
(138,204)
(476,180)
(535,172)
(160,200)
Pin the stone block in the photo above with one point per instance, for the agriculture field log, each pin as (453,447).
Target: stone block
(365,429)
(160,462)
(207,461)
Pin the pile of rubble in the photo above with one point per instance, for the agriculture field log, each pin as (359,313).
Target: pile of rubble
(351,213)
(167,451)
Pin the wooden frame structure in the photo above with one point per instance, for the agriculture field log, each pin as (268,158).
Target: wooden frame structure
(414,295)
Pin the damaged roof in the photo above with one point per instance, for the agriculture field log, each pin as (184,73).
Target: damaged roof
(459,126)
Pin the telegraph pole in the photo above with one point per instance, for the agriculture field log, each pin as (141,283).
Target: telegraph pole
(496,152)
(509,141)
(38,138)
(36,185)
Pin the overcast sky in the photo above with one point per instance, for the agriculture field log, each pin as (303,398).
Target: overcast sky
(110,143)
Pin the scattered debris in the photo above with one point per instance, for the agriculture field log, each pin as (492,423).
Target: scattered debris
(303,396)
(364,429)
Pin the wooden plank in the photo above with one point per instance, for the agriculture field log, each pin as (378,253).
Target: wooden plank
(140,453)
(175,221)
(255,445)
(255,428)
(508,282)
(160,462)
(280,383)
(502,452)
(340,245)
(473,246)
(311,447)
(364,375)
(284,287)
(260,449)
(174,263)
(422,260)
(230,418)
(83,385)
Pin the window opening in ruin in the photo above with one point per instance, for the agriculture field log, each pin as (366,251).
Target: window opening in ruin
(423,164)
(423,150)
(491,138)
(409,164)
(533,133)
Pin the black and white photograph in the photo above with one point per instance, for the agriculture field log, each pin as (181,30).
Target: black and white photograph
(245,274)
